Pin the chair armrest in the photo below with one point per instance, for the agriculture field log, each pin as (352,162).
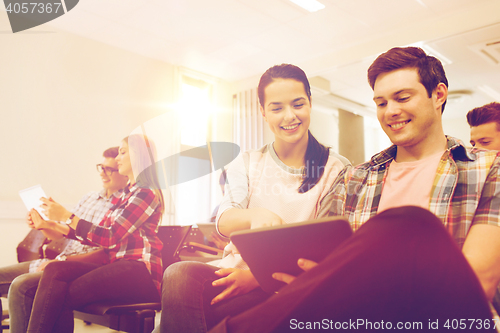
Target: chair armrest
(107,307)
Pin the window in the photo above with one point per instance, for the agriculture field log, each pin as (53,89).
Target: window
(194,107)
(194,198)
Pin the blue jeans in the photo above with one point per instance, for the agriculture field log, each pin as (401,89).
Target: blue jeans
(21,296)
(21,286)
(68,285)
(9,273)
(186,294)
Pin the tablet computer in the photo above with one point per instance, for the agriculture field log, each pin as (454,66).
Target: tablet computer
(31,198)
(276,249)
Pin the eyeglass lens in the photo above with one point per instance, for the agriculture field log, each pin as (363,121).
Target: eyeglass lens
(106,170)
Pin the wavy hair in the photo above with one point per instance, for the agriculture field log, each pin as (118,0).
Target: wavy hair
(142,152)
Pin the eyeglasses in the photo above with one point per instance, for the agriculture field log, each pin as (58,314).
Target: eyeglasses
(107,170)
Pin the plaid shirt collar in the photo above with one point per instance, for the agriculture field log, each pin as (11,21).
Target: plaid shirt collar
(130,188)
(116,194)
(455,146)
(463,179)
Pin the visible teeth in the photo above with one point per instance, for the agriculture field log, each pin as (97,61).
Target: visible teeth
(290,127)
(399,125)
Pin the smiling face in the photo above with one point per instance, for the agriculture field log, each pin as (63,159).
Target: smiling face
(287,111)
(112,181)
(485,136)
(408,116)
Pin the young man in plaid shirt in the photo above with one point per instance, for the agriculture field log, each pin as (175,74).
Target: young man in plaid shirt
(425,212)
(23,278)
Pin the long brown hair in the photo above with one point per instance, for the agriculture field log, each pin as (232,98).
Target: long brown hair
(144,164)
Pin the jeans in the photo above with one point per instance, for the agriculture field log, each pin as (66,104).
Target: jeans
(68,285)
(9,273)
(401,266)
(186,294)
(21,296)
(18,282)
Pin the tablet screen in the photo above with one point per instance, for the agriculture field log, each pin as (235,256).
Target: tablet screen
(31,198)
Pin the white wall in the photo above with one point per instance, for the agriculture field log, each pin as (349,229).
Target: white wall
(12,232)
(458,128)
(324,127)
(64,100)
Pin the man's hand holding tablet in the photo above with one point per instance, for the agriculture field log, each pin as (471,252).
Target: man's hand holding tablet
(304,264)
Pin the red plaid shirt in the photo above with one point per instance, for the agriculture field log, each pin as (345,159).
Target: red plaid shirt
(129,230)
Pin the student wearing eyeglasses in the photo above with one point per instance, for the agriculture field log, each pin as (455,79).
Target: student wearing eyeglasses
(23,278)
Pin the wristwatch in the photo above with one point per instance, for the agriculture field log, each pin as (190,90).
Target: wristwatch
(70,220)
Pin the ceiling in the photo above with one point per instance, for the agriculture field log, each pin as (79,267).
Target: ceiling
(237,40)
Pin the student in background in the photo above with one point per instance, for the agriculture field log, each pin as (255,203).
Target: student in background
(128,268)
(484,124)
(283,182)
(424,265)
(23,278)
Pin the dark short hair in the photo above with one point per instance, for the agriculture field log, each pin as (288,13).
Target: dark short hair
(430,70)
(110,152)
(484,114)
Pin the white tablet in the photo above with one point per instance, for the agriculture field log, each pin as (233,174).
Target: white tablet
(277,249)
(31,198)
